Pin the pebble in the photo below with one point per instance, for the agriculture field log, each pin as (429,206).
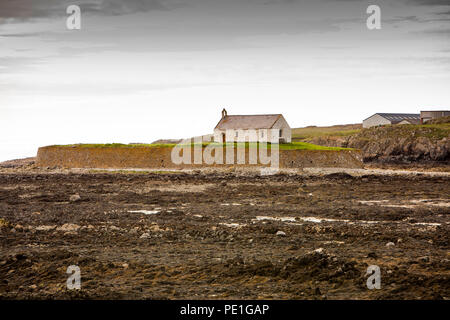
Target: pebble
(390,244)
(75,198)
(281,234)
(45,228)
(145,235)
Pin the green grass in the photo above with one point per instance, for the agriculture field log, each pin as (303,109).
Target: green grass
(434,131)
(409,131)
(113,145)
(440,131)
(308,146)
(284,146)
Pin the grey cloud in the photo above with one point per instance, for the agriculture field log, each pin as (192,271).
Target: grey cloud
(430,2)
(416,19)
(443,16)
(445,32)
(119,7)
(24,9)
(435,32)
(30,9)
(20,35)
(8,64)
(404,19)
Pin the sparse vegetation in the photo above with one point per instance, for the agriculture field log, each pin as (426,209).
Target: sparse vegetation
(431,131)
(301,134)
(113,145)
(308,146)
(4,223)
(392,143)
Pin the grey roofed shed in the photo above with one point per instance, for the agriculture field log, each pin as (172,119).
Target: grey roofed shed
(380,119)
(397,117)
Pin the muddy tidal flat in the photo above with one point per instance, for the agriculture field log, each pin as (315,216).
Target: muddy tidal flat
(223,236)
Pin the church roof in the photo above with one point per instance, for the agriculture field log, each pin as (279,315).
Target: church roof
(259,121)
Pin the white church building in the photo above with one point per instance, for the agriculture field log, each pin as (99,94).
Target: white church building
(252,128)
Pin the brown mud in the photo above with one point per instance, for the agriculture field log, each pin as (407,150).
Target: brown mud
(214,236)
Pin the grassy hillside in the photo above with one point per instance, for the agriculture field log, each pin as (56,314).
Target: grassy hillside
(409,131)
(392,143)
(303,134)
(329,136)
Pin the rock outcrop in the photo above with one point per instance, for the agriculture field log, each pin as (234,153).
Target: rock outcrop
(404,143)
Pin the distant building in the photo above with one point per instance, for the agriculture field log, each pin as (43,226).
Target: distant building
(430,115)
(381,119)
(252,128)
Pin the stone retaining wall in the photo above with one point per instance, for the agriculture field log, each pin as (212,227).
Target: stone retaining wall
(160,157)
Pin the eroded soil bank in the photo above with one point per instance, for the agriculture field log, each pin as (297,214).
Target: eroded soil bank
(214,236)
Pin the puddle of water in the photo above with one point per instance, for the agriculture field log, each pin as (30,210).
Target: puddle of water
(295,219)
(433,202)
(268,171)
(146,212)
(427,224)
(232,225)
(334,242)
(283,219)
(409,204)
(369,202)
(406,206)
(320,220)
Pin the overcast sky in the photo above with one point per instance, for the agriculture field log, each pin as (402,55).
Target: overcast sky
(140,70)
